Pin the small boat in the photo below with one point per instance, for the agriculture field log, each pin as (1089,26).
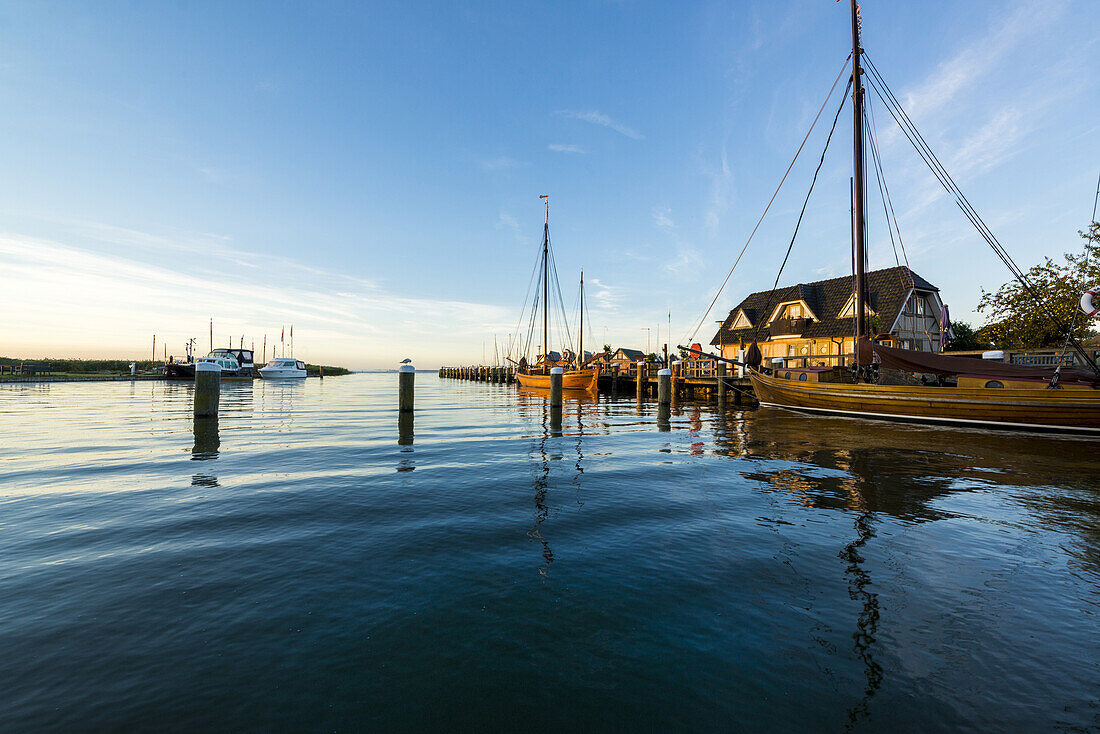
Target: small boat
(282,368)
(965,390)
(576,375)
(235,364)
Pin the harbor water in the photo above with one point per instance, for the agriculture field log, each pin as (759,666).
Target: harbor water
(310,562)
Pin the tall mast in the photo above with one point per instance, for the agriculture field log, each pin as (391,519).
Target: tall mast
(546,280)
(860,226)
(580,346)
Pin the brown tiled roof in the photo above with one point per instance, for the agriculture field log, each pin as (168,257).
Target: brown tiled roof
(886,292)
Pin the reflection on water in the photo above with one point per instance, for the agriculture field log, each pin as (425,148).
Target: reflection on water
(685,566)
(404,429)
(207,442)
(859,583)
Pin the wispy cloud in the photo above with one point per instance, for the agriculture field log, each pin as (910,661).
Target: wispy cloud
(686,258)
(605,296)
(599,118)
(566,148)
(990,144)
(97,303)
(721,189)
(499,163)
(966,69)
(507,221)
(662,217)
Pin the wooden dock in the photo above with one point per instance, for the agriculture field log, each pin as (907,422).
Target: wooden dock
(693,378)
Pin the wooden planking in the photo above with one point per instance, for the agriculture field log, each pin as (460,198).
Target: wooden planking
(1066,409)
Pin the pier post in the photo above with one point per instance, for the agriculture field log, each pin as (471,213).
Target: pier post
(641,379)
(405,376)
(555,386)
(555,400)
(664,386)
(721,369)
(208,386)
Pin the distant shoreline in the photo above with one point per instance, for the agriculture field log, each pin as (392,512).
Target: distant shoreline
(14,370)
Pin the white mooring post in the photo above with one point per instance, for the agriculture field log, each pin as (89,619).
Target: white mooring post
(208,386)
(405,376)
(555,386)
(664,386)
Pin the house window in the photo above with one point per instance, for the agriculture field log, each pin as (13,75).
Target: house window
(920,306)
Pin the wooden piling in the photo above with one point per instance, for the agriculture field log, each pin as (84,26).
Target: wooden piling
(641,380)
(405,378)
(555,386)
(664,386)
(721,370)
(208,385)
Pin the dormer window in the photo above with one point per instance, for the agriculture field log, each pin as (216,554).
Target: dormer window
(793,311)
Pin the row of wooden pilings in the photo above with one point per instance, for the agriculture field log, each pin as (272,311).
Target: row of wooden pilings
(480,373)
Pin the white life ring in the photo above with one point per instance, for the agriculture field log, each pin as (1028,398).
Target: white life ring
(1086,303)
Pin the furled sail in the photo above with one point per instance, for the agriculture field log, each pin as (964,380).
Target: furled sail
(941,364)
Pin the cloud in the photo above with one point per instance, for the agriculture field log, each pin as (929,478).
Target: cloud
(721,189)
(103,304)
(598,118)
(566,148)
(606,297)
(507,221)
(662,217)
(685,258)
(961,73)
(499,163)
(993,142)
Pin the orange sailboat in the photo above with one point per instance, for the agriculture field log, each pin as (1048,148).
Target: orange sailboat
(576,375)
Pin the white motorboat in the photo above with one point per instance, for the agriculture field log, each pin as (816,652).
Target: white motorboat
(283,367)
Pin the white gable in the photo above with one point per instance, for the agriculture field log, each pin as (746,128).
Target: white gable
(849,309)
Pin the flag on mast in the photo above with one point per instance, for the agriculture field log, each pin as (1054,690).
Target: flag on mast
(282,333)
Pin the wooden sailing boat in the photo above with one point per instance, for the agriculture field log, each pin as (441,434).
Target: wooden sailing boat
(538,375)
(986,393)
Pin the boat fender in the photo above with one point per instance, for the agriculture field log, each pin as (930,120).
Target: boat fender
(1086,303)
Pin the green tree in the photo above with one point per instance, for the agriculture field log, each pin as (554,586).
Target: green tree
(965,339)
(1014,320)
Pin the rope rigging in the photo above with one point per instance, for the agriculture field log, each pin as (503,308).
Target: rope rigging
(805,202)
(894,107)
(1073,322)
(905,280)
(744,247)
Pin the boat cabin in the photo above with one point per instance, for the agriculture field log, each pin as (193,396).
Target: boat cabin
(243,356)
(227,361)
(287,363)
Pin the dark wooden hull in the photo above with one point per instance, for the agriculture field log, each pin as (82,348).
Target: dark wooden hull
(1074,408)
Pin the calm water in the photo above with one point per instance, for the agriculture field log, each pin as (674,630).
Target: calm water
(295,567)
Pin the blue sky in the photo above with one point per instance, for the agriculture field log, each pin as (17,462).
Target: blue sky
(371,173)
